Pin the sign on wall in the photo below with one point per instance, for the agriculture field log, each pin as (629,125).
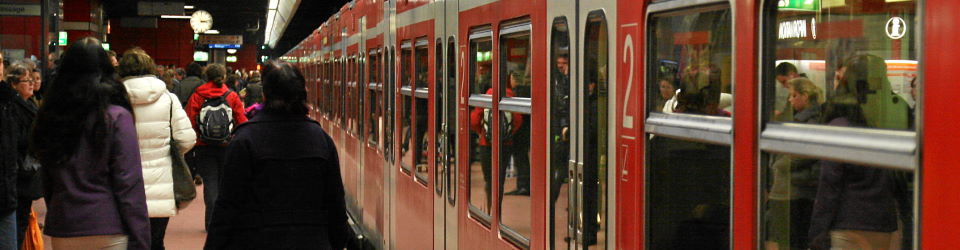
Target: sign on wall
(220,39)
(7,9)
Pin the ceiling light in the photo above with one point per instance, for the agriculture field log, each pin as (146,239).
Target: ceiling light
(231,51)
(188,7)
(212,32)
(174,17)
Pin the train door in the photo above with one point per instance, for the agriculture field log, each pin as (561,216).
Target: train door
(444,119)
(581,211)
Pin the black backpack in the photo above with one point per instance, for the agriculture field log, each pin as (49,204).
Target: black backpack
(215,120)
(506,125)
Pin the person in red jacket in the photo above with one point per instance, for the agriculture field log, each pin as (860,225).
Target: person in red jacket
(204,158)
(480,121)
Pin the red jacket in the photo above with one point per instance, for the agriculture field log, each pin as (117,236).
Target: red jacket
(476,121)
(209,90)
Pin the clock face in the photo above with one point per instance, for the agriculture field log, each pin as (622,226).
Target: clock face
(201,21)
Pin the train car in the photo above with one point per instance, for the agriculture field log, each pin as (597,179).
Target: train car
(619,124)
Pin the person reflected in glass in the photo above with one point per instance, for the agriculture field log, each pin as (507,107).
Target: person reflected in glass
(794,178)
(855,206)
(521,141)
(559,127)
(668,90)
(700,91)
(280,186)
(784,72)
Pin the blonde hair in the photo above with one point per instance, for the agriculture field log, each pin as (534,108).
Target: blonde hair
(804,86)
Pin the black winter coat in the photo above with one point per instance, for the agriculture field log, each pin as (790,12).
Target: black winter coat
(280,188)
(9,148)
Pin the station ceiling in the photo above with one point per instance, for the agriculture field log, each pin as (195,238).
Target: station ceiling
(246,17)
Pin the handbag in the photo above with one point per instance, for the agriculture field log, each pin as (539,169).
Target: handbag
(33,238)
(183,189)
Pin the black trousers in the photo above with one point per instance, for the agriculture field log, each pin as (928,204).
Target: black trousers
(208,161)
(23,218)
(158,230)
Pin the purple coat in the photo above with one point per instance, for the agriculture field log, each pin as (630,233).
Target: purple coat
(104,195)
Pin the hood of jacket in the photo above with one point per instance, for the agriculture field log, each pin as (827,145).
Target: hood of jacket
(144,89)
(209,90)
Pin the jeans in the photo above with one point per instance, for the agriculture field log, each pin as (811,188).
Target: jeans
(208,160)
(8,231)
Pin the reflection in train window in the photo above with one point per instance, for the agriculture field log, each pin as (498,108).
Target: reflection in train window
(480,140)
(595,92)
(688,187)
(451,120)
(389,90)
(481,61)
(438,116)
(421,143)
(559,133)
(374,91)
(514,166)
(839,64)
(691,63)
(421,64)
(361,87)
(515,64)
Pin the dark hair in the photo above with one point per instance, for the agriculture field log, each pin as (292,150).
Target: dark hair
(77,107)
(194,69)
(284,88)
(232,80)
(215,73)
(180,72)
(136,62)
(785,68)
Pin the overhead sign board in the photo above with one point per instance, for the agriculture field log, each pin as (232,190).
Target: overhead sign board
(802,5)
(220,39)
(7,9)
(224,46)
(145,8)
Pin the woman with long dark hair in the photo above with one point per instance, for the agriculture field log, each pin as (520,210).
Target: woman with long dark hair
(280,186)
(87,142)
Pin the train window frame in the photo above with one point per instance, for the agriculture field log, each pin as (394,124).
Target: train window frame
(361,94)
(406,105)
(421,95)
(691,127)
(895,149)
(375,90)
(475,100)
(389,96)
(451,77)
(439,92)
(515,105)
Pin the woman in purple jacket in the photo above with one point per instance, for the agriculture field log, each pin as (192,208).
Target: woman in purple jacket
(87,142)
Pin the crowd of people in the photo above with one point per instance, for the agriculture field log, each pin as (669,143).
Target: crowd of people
(103,144)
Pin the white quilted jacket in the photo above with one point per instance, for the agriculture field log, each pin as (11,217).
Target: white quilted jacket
(151,106)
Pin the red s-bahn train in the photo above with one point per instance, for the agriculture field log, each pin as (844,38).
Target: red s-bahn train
(628,124)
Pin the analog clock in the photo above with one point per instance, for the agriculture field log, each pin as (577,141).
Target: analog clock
(201,21)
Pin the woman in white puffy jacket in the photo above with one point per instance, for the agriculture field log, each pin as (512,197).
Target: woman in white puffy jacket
(158,113)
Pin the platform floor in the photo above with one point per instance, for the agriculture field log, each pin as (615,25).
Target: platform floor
(185,231)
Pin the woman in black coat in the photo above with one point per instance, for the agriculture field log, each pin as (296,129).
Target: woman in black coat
(280,186)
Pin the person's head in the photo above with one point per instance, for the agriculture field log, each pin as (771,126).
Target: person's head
(515,78)
(168,77)
(76,103)
(113,58)
(37,80)
(255,76)
(785,71)
(563,64)
(483,68)
(232,80)
(216,73)
(284,88)
(136,62)
(20,78)
(803,93)
(668,88)
(180,73)
(194,69)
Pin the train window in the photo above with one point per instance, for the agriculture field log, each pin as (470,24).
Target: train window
(438,114)
(594,90)
(390,94)
(480,140)
(514,157)
(833,64)
(406,110)
(559,132)
(374,91)
(451,120)
(361,89)
(688,167)
(421,140)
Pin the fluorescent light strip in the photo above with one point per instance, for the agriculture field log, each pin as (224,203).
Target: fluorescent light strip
(174,17)
(188,7)
(212,32)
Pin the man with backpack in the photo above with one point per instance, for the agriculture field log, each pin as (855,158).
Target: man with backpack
(215,111)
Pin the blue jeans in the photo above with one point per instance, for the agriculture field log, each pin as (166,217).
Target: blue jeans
(8,231)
